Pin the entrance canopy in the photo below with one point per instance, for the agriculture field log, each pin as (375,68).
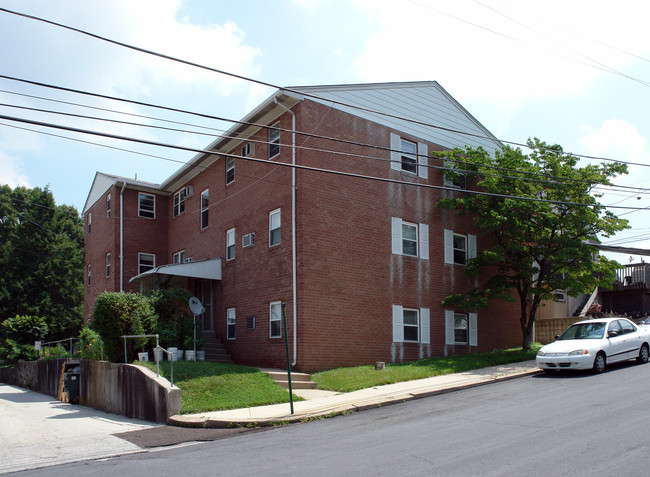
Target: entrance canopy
(209,269)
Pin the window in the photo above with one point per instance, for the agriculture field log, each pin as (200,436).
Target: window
(88,275)
(205,206)
(460,328)
(459,248)
(179,201)
(411,325)
(230,170)
(108,265)
(248,149)
(108,206)
(409,162)
(179,257)
(146,262)
(560,296)
(410,239)
(90,219)
(230,318)
(274,227)
(456,176)
(250,323)
(408,156)
(276,319)
(274,140)
(146,205)
(230,244)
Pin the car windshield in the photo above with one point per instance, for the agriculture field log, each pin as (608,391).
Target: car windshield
(584,331)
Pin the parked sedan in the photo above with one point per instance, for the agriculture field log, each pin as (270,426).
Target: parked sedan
(592,344)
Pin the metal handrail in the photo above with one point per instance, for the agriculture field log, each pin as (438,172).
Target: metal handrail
(169,353)
(59,344)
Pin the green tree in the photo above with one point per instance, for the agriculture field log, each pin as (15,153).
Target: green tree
(17,337)
(41,260)
(542,215)
(117,314)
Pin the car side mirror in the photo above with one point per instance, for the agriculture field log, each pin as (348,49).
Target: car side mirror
(612,334)
(557,337)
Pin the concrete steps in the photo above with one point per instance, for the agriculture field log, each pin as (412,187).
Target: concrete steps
(298,380)
(214,349)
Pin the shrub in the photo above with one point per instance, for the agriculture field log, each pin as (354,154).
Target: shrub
(117,314)
(17,337)
(91,344)
(174,319)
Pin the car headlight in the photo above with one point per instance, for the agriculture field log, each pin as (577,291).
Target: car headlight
(541,353)
(578,352)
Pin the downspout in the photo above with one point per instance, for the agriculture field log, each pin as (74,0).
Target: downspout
(122,236)
(293,231)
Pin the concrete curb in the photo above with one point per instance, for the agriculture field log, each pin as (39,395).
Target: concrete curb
(335,409)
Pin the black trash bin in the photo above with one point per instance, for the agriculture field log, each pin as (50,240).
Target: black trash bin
(71,376)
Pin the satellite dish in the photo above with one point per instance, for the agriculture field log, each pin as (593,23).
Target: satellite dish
(196,306)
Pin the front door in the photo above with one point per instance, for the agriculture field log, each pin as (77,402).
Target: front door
(204,293)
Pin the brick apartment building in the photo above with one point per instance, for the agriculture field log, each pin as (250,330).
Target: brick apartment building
(361,264)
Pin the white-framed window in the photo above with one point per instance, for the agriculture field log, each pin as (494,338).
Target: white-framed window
(108,206)
(408,156)
(275,323)
(275,222)
(230,323)
(409,238)
(146,262)
(411,325)
(108,265)
(89,221)
(146,205)
(458,178)
(230,170)
(230,244)
(179,201)
(88,275)
(248,149)
(274,140)
(205,207)
(560,295)
(459,248)
(461,328)
(179,257)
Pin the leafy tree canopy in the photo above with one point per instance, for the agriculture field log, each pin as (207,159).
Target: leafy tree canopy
(541,212)
(41,260)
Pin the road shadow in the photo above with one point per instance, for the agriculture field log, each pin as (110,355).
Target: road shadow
(582,374)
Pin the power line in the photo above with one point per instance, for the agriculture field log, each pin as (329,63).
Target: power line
(303,167)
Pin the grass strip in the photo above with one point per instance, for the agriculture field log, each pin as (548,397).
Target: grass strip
(360,377)
(206,386)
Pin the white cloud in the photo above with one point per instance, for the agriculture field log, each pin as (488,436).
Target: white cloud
(10,172)
(615,138)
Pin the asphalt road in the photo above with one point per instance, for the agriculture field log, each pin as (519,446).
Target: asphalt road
(571,424)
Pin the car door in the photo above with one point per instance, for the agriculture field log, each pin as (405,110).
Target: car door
(633,338)
(616,343)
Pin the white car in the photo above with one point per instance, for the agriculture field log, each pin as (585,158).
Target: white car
(592,344)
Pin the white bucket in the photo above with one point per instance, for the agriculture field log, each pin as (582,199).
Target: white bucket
(144,356)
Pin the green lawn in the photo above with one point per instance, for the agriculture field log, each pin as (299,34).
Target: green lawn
(360,377)
(207,386)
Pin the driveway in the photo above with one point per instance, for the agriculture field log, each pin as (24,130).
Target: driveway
(37,431)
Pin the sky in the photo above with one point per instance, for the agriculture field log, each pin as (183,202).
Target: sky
(570,73)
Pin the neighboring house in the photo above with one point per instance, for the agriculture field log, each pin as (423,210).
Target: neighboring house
(362,265)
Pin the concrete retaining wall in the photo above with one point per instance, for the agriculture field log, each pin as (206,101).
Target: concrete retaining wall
(128,390)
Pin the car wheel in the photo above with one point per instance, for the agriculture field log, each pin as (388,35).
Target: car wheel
(644,354)
(599,363)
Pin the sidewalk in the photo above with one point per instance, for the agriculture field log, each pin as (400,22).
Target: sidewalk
(326,403)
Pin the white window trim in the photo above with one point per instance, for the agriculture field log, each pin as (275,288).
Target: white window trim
(450,336)
(470,241)
(108,265)
(271,320)
(108,206)
(176,207)
(230,166)
(279,227)
(448,182)
(230,243)
(206,192)
(231,319)
(397,243)
(424,325)
(90,221)
(89,275)
(273,129)
(181,257)
(140,254)
(396,156)
(140,210)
